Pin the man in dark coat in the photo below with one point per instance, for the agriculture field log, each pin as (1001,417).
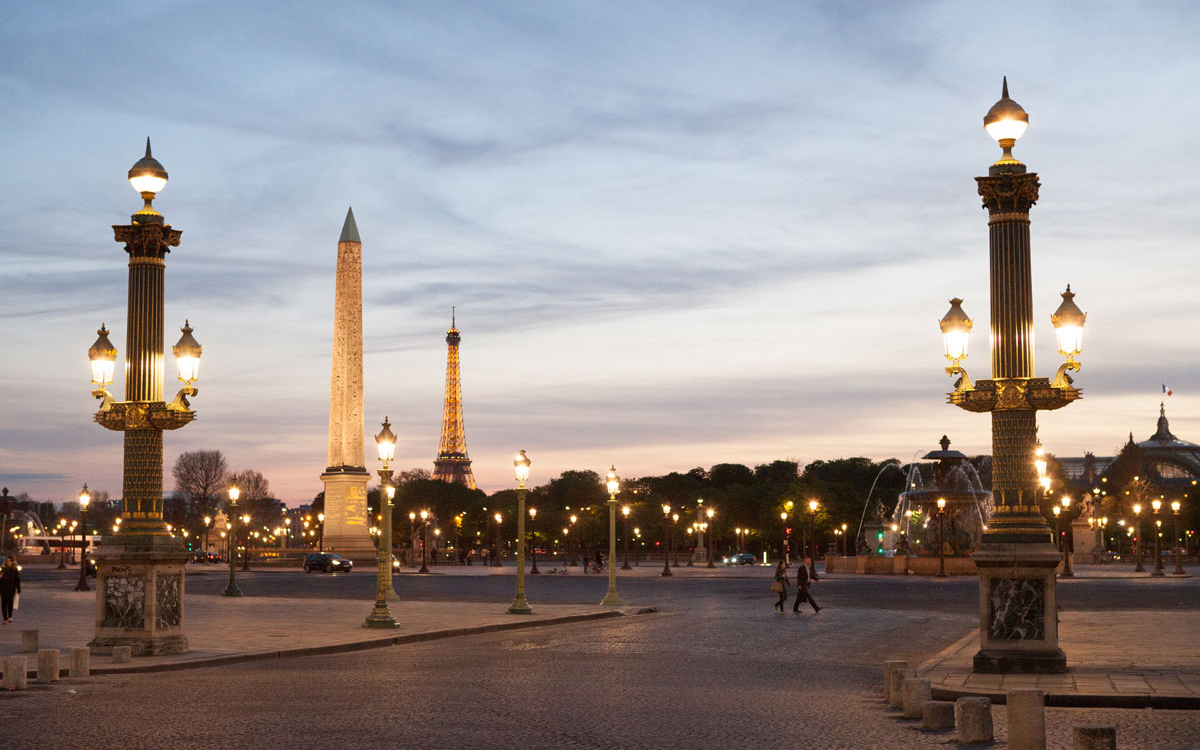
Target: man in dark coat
(802,582)
(10,586)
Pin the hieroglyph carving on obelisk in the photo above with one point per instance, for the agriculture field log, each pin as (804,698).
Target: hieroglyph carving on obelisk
(347,530)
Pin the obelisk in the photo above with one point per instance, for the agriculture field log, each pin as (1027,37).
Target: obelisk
(347,530)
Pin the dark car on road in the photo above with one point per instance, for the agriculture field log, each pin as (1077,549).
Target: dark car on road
(199,555)
(328,562)
(742,558)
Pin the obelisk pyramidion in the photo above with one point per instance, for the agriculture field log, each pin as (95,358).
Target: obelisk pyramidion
(346,529)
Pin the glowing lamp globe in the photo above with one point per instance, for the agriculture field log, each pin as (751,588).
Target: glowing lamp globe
(956,331)
(1068,322)
(385,442)
(1005,122)
(614,482)
(187,356)
(521,465)
(103,356)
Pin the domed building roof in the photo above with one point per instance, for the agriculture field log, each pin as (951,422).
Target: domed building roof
(1174,460)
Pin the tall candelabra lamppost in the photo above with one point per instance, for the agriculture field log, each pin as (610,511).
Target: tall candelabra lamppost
(708,538)
(1175,505)
(246,548)
(380,616)
(499,519)
(666,571)
(1016,557)
(140,579)
(626,510)
(613,482)
(1068,566)
(521,465)
(1138,538)
(1158,572)
(85,498)
(533,568)
(231,511)
(783,516)
(424,539)
(941,516)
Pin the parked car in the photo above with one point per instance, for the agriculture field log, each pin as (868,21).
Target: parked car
(328,562)
(742,558)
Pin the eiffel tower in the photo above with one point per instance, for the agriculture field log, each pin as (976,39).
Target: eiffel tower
(452,464)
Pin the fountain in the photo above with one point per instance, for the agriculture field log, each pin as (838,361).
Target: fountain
(914,526)
(908,542)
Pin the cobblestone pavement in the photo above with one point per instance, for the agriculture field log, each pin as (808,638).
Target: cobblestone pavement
(716,668)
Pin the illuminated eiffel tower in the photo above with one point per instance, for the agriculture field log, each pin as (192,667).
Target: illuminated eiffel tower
(452,464)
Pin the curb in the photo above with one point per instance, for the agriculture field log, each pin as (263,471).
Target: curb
(341,648)
(1082,700)
(1057,700)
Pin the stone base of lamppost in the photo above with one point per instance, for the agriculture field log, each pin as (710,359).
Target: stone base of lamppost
(1018,609)
(612,600)
(699,555)
(139,595)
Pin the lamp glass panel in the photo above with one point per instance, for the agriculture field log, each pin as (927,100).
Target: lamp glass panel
(189,368)
(1003,129)
(1070,339)
(102,371)
(147,183)
(956,343)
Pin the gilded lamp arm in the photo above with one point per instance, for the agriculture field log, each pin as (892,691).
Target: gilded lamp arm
(1061,378)
(964,381)
(181,403)
(107,398)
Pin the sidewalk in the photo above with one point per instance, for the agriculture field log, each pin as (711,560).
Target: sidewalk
(226,630)
(1126,659)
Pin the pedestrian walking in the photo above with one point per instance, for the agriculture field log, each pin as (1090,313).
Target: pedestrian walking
(10,588)
(780,586)
(803,580)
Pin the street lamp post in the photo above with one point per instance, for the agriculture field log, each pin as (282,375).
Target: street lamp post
(499,518)
(84,501)
(666,571)
(380,616)
(533,569)
(1158,571)
(708,538)
(246,549)
(519,605)
(1016,558)
(674,549)
(231,511)
(1178,553)
(573,546)
(783,522)
(1068,566)
(320,532)
(812,520)
(207,522)
(845,544)
(611,599)
(424,539)
(143,557)
(626,510)
(1141,540)
(941,515)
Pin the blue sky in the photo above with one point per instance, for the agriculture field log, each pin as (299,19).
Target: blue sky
(676,233)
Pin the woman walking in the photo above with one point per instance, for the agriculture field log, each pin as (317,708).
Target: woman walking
(780,586)
(10,586)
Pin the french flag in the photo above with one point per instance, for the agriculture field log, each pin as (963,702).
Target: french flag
(1167,390)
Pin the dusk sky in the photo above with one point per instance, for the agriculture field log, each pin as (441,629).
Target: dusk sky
(677,234)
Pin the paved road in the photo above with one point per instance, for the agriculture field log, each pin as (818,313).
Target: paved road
(717,668)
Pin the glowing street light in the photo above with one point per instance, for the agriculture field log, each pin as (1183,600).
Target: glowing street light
(666,571)
(521,464)
(231,511)
(611,599)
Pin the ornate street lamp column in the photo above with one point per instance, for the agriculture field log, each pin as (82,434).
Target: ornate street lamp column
(533,568)
(231,512)
(521,465)
(1016,557)
(666,573)
(941,516)
(140,580)
(626,510)
(1156,527)
(380,616)
(1178,553)
(84,501)
(611,599)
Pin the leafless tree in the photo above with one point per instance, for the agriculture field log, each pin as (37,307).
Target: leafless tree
(413,474)
(199,477)
(254,489)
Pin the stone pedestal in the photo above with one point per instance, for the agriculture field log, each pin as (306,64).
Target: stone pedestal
(1087,547)
(139,596)
(1018,609)
(346,529)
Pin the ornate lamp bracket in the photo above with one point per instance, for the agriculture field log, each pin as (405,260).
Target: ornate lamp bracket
(107,401)
(1062,379)
(1014,394)
(964,382)
(142,415)
(180,403)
